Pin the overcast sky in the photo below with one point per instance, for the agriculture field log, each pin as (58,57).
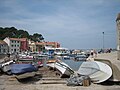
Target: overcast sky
(75,24)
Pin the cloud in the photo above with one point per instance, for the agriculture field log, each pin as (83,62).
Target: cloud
(64,20)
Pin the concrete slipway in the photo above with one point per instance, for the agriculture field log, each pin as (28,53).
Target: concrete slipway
(111,59)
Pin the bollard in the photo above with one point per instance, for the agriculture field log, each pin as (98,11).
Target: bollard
(86,82)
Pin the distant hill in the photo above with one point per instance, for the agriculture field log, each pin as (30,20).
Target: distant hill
(12,32)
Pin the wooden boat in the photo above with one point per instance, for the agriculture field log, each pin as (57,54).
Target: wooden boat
(97,71)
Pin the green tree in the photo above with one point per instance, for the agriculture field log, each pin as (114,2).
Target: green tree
(12,32)
(36,37)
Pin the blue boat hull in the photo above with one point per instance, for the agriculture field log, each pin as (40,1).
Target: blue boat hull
(22,68)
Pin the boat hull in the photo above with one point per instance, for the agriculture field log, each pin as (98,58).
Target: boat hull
(97,71)
(18,69)
(25,75)
(62,67)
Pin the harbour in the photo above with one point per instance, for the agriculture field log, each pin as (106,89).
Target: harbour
(47,79)
(59,44)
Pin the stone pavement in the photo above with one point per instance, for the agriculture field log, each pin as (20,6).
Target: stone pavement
(111,57)
(8,84)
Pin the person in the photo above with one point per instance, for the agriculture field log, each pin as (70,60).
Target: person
(91,53)
(95,53)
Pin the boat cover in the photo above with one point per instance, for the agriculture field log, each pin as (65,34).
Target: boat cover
(22,68)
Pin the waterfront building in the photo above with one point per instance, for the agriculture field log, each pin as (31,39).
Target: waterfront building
(16,45)
(24,46)
(118,36)
(40,46)
(13,44)
(3,47)
(32,46)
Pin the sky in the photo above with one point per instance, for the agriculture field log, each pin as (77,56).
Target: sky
(75,24)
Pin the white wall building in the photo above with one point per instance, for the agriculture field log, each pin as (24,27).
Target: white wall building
(13,44)
(3,47)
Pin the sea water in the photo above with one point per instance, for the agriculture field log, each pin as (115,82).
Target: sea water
(73,64)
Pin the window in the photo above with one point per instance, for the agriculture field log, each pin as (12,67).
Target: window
(5,46)
(4,50)
(14,50)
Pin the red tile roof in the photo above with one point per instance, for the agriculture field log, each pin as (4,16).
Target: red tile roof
(15,39)
(18,39)
(22,39)
(41,43)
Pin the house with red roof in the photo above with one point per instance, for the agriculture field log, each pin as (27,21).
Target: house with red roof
(16,44)
(40,46)
(24,46)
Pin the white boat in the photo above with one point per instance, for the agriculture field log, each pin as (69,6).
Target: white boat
(62,67)
(97,71)
(7,63)
(5,66)
(26,57)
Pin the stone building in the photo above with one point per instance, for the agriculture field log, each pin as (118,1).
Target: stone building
(118,36)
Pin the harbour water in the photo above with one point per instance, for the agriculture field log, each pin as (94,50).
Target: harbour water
(73,64)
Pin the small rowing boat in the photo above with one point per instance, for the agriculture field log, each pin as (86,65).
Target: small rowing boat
(97,71)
